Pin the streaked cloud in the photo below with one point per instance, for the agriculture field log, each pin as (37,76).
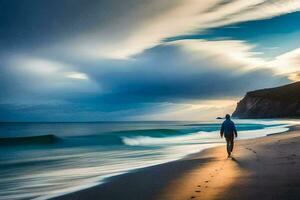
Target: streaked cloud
(234,54)
(121,34)
(43,68)
(136,59)
(76,75)
(242,56)
(37,81)
(177,18)
(287,64)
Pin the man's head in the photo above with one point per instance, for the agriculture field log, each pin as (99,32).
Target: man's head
(227,116)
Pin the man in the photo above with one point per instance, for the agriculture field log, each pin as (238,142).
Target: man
(229,131)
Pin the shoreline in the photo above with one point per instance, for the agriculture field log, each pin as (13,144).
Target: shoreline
(151,188)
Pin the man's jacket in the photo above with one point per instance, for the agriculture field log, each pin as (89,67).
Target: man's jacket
(228,129)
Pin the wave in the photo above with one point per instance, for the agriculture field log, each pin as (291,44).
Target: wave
(200,137)
(39,139)
(157,132)
(147,140)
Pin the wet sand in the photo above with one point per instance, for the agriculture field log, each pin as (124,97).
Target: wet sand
(262,168)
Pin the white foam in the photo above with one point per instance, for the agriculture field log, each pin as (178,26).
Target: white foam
(147,140)
(199,137)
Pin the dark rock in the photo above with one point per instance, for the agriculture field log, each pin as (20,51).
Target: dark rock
(279,102)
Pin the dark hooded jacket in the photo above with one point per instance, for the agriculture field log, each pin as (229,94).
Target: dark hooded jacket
(228,128)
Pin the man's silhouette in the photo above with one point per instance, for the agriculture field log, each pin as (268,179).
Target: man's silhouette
(228,130)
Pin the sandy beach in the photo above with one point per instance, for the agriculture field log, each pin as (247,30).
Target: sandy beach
(262,168)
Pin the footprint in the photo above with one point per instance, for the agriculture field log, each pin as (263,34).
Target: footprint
(206,181)
(197,191)
(199,186)
(192,197)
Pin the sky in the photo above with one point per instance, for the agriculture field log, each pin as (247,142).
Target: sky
(96,60)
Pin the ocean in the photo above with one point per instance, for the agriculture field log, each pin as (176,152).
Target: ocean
(43,160)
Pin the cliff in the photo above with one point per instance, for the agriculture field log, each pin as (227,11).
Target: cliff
(279,102)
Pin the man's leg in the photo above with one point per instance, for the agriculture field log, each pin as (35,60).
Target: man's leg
(228,145)
(231,143)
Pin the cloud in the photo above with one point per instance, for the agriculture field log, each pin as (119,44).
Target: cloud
(235,54)
(192,76)
(112,59)
(34,81)
(121,29)
(187,70)
(37,66)
(175,19)
(77,75)
(287,64)
(45,69)
(241,56)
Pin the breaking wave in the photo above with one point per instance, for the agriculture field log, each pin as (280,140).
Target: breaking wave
(200,137)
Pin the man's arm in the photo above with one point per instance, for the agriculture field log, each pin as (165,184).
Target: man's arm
(234,130)
(222,130)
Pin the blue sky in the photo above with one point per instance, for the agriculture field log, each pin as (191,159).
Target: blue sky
(141,60)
